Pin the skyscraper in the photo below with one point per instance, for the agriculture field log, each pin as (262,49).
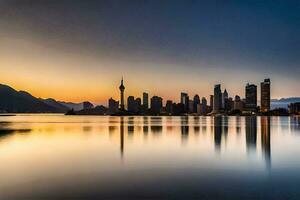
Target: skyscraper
(238,104)
(217,99)
(224,99)
(145,101)
(156,104)
(169,107)
(196,102)
(265,95)
(113,106)
(204,106)
(251,97)
(131,104)
(184,99)
(211,101)
(122,88)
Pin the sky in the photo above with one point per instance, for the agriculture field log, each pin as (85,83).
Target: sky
(74,50)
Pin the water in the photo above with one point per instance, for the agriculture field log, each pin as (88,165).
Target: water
(92,157)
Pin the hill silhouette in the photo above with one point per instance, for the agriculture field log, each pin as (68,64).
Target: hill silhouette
(13,101)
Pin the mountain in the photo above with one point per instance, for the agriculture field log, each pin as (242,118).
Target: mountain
(14,102)
(283,102)
(70,105)
(55,104)
(98,110)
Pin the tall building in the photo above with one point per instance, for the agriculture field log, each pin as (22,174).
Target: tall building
(191,106)
(156,104)
(211,101)
(238,104)
(265,96)
(122,89)
(131,104)
(224,99)
(196,102)
(204,106)
(138,103)
(217,99)
(184,99)
(145,101)
(113,106)
(169,107)
(251,97)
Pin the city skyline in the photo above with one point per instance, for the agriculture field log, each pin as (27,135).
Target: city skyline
(78,51)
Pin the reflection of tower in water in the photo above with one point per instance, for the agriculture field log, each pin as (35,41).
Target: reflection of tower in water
(196,124)
(184,128)
(266,140)
(145,125)
(122,136)
(251,132)
(220,130)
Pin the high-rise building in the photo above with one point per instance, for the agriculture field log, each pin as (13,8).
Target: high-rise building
(251,97)
(217,99)
(224,99)
(131,104)
(113,106)
(265,96)
(196,102)
(184,99)
(191,106)
(156,104)
(122,89)
(211,101)
(169,107)
(204,106)
(238,104)
(145,101)
(138,103)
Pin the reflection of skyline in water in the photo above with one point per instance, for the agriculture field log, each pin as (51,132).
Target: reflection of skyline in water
(188,127)
(251,133)
(184,124)
(266,140)
(220,131)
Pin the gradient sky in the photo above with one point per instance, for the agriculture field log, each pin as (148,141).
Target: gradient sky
(78,50)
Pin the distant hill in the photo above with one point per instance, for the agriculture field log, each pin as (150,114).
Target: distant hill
(55,104)
(70,105)
(283,102)
(15,102)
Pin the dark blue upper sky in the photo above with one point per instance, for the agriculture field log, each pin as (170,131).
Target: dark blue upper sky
(250,39)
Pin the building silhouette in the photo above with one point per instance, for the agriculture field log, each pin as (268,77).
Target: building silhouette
(224,99)
(145,101)
(113,106)
(196,103)
(184,99)
(238,104)
(251,97)
(156,105)
(133,104)
(122,89)
(203,106)
(265,95)
(169,107)
(217,99)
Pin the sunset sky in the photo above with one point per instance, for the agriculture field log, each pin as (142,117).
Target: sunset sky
(78,50)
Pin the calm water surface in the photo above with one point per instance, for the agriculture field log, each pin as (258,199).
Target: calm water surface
(88,157)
